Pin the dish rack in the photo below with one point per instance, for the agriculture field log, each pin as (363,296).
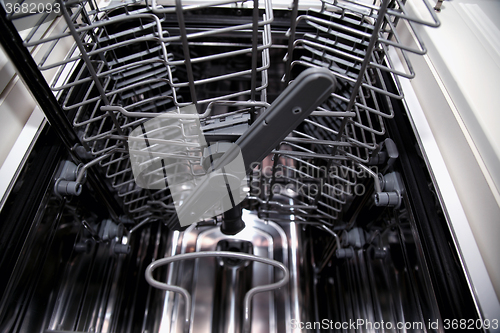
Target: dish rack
(131,61)
(339,143)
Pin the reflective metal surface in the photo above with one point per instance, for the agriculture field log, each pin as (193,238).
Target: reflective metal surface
(231,261)
(218,286)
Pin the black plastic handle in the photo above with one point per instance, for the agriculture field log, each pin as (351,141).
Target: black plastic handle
(291,107)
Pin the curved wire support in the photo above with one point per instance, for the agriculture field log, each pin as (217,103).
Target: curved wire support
(157,9)
(195,255)
(174,115)
(376,180)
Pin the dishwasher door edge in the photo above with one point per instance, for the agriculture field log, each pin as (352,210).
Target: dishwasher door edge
(19,152)
(470,256)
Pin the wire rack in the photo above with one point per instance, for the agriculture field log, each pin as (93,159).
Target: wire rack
(131,61)
(146,59)
(353,39)
(333,149)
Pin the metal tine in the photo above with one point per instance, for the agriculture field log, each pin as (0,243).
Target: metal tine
(262,69)
(312,166)
(399,12)
(269,16)
(278,205)
(375,64)
(356,62)
(141,16)
(88,62)
(388,22)
(308,62)
(82,29)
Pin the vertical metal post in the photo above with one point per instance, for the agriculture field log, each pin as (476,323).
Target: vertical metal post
(89,65)
(185,49)
(291,39)
(364,66)
(255,39)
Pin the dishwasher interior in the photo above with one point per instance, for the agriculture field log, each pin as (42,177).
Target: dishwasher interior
(340,221)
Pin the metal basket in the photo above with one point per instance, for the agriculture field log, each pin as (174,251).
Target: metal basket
(130,62)
(352,39)
(143,58)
